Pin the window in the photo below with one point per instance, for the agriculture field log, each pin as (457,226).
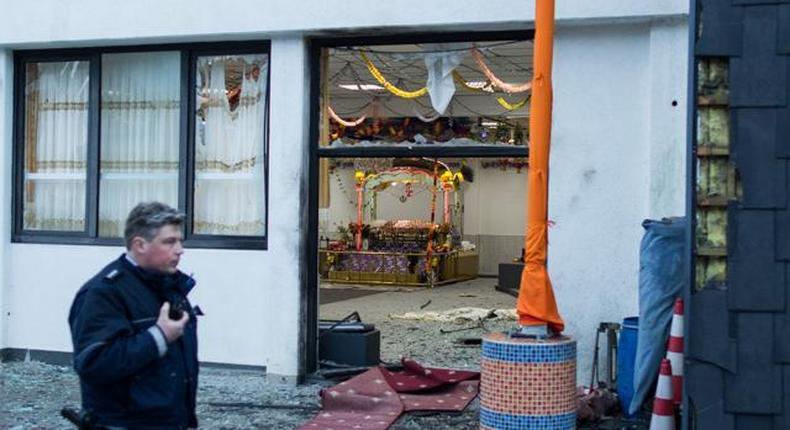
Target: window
(55,149)
(229,149)
(98,131)
(140,108)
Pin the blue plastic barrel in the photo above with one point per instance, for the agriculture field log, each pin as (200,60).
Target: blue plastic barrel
(626,354)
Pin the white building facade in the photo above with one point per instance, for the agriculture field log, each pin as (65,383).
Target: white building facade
(618,156)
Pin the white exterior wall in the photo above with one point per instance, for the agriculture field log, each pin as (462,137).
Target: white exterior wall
(618,156)
(667,123)
(6,118)
(53,22)
(615,136)
(251,298)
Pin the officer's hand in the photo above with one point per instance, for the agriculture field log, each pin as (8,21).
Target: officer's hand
(172,329)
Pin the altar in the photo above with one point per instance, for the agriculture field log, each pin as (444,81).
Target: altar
(407,252)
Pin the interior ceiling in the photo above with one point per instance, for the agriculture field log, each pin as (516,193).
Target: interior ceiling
(404,66)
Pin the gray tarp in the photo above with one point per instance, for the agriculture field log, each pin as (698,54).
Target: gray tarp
(662,278)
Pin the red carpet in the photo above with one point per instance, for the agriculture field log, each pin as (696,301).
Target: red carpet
(376,398)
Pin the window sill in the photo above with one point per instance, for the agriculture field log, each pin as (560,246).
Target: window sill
(200,242)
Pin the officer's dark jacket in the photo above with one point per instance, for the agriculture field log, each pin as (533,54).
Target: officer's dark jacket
(124,382)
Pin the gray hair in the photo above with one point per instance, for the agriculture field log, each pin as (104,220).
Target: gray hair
(146,219)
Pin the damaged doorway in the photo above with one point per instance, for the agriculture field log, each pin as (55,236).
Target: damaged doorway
(419,182)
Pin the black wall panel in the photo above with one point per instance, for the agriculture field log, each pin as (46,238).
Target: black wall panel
(739,335)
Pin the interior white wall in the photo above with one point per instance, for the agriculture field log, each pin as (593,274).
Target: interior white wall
(495,202)
(342,201)
(417,207)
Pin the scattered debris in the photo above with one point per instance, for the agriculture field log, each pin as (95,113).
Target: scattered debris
(459,315)
(594,405)
(469,341)
(251,405)
(425,305)
(445,331)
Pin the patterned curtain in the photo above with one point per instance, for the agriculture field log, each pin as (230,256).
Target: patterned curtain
(56,135)
(229,149)
(139,134)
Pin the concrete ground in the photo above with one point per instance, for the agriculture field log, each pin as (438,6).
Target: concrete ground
(425,341)
(387,300)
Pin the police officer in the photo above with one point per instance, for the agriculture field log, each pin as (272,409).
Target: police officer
(134,331)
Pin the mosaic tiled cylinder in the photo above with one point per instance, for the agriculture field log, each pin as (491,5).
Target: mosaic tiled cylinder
(527,383)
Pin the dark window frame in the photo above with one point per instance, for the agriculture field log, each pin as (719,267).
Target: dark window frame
(90,236)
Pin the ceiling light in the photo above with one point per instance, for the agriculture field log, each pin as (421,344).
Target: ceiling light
(361,87)
(489,123)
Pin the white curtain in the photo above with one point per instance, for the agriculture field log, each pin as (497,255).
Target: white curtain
(56,146)
(229,150)
(139,134)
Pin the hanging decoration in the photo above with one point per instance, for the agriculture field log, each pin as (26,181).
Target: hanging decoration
(390,87)
(339,120)
(504,86)
(450,182)
(518,105)
(430,261)
(487,88)
(408,191)
(342,187)
(440,130)
(481,87)
(381,164)
(373,164)
(406,129)
(506,163)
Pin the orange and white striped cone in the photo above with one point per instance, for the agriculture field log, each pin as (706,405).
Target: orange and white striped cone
(675,352)
(663,410)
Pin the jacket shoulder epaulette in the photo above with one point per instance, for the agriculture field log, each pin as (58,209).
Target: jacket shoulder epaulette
(112,276)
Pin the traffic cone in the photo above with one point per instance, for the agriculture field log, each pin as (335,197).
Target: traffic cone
(675,352)
(663,410)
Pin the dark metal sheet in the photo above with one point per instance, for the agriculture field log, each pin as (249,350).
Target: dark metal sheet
(757,386)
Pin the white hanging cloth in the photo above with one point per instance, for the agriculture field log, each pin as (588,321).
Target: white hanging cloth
(440,65)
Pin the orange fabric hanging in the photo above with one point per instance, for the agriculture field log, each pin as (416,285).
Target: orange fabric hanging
(536,304)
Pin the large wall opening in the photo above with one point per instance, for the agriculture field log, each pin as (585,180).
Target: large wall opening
(419,184)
